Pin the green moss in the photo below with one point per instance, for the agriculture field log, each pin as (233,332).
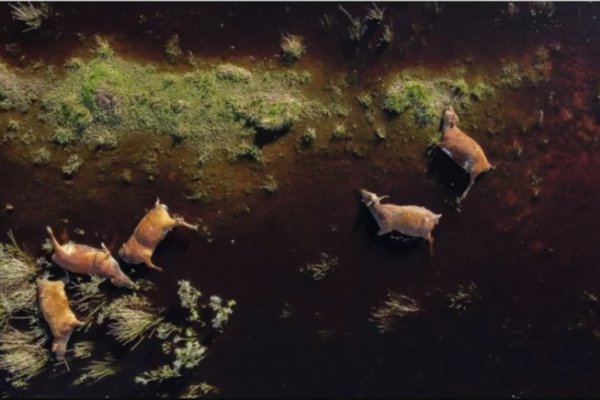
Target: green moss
(208,110)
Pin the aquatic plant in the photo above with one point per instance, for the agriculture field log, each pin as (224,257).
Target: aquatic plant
(212,109)
(292,48)
(31,15)
(17,286)
(308,137)
(98,370)
(463,297)
(188,354)
(394,308)
(386,37)
(375,14)
(200,390)
(23,354)
(71,166)
(88,299)
(270,185)
(82,350)
(222,311)
(133,318)
(319,270)
(357,29)
(188,298)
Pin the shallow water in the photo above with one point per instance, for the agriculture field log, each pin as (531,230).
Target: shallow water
(530,256)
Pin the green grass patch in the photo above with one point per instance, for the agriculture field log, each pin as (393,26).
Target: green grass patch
(422,99)
(210,109)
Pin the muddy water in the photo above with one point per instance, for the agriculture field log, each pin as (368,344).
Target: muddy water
(530,255)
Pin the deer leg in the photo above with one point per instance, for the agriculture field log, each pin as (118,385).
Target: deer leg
(430,241)
(57,246)
(150,264)
(179,221)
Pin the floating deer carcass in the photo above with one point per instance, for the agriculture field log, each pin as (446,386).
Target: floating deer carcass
(57,313)
(462,149)
(150,231)
(86,260)
(408,220)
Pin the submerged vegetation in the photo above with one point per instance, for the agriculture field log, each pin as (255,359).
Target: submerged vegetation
(393,309)
(31,15)
(321,269)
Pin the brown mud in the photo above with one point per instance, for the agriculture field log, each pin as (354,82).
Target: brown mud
(528,244)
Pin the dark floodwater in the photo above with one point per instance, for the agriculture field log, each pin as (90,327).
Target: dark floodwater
(531,258)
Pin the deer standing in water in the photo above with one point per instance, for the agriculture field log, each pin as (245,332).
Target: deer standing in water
(462,149)
(57,313)
(409,220)
(86,260)
(150,231)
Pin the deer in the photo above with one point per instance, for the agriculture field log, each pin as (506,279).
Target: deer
(408,220)
(57,313)
(150,231)
(86,260)
(462,149)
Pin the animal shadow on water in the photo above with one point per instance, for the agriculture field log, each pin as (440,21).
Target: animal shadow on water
(394,241)
(448,173)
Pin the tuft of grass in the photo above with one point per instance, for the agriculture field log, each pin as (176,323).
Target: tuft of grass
(386,37)
(17,92)
(319,270)
(356,30)
(364,100)
(98,370)
(375,14)
(233,73)
(309,137)
(394,308)
(270,185)
(340,132)
(72,165)
(12,126)
(17,286)
(173,51)
(292,48)
(31,15)
(82,350)
(23,354)
(133,318)
(40,156)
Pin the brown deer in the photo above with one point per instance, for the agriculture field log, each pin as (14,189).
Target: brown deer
(86,260)
(462,149)
(409,220)
(57,313)
(150,231)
